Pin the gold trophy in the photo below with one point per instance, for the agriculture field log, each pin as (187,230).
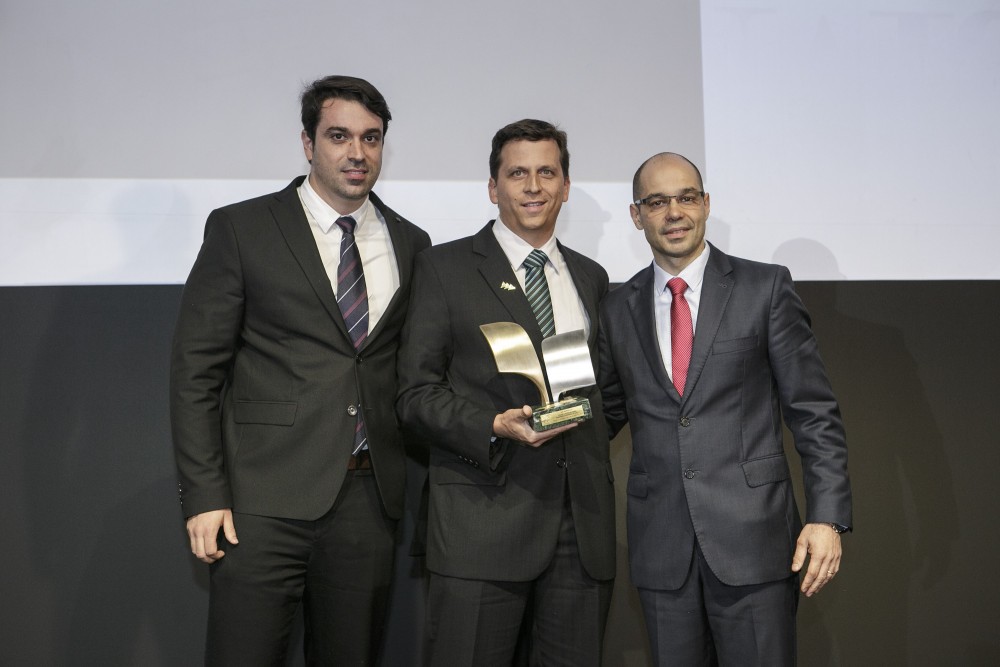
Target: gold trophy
(567,361)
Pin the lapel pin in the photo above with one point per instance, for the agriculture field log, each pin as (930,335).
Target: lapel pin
(507,286)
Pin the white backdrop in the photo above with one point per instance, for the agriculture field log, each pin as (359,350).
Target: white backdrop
(853,140)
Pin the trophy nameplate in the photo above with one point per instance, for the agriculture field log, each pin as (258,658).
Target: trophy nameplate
(567,362)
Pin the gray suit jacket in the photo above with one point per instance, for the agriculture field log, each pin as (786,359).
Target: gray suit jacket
(264,376)
(710,466)
(497,517)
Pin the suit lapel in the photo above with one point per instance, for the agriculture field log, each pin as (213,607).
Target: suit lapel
(499,276)
(716,288)
(496,270)
(640,303)
(294,226)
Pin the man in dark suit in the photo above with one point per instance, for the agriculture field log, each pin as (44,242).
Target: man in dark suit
(521,524)
(282,386)
(715,539)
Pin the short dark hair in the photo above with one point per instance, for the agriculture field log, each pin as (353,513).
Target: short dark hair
(528,129)
(341,87)
(638,172)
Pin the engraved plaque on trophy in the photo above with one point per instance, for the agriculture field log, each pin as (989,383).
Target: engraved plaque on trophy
(567,362)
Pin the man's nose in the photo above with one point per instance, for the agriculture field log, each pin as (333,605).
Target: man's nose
(673,209)
(532,183)
(355,150)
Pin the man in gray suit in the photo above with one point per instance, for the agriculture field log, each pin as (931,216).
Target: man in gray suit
(704,354)
(290,460)
(521,524)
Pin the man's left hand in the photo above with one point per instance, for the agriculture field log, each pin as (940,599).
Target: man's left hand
(822,543)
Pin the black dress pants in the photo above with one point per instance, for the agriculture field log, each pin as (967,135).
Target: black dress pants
(706,623)
(339,567)
(561,614)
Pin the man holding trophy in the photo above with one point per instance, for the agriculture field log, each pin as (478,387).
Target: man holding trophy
(521,503)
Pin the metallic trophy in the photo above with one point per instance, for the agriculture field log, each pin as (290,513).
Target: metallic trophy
(567,360)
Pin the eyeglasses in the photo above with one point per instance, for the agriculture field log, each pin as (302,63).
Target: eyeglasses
(692,199)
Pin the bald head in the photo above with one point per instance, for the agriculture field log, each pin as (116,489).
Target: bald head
(662,159)
(673,212)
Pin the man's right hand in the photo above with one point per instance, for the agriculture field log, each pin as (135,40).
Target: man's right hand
(203,530)
(515,424)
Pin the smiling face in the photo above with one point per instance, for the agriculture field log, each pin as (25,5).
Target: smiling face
(530,188)
(346,156)
(675,232)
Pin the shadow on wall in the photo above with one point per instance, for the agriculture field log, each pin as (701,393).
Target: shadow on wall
(905,514)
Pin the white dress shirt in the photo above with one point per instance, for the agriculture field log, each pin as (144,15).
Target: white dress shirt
(374,245)
(567,309)
(694,275)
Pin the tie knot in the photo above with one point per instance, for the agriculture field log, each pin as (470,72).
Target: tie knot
(677,286)
(346,223)
(535,260)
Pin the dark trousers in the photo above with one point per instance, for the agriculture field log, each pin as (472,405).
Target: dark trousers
(705,622)
(472,622)
(339,567)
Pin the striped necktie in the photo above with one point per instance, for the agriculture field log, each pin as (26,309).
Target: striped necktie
(352,294)
(352,297)
(536,288)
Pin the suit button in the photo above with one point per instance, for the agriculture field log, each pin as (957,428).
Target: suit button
(689,474)
(561,463)
(685,422)
(352,410)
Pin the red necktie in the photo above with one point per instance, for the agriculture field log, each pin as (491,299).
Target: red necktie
(681,333)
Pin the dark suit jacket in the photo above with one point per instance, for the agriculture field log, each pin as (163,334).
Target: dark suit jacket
(264,377)
(711,466)
(497,518)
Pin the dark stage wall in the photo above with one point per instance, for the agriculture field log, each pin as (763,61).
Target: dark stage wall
(95,569)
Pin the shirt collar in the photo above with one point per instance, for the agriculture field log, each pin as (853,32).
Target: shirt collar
(693,274)
(324,215)
(517,249)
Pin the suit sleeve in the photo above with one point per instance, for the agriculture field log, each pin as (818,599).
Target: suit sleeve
(204,345)
(428,402)
(809,406)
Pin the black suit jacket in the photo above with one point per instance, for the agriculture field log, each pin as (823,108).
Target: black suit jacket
(264,378)
(497,518)
(710,467)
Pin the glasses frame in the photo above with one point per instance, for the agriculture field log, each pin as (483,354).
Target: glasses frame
(676,198)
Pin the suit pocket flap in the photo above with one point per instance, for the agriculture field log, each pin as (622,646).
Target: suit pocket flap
(767,470)
(638,484)
(734,345)
(463,473)
(278,413)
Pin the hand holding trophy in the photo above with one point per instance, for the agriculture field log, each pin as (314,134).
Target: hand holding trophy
(567,362)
